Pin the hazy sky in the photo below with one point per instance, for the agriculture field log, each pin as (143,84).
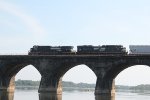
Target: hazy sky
(24,23)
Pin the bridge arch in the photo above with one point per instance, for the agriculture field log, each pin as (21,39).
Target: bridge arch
(81,69)
(116,70)
(17,68)
(33,73)
(67,67)
(52,82)
(108,81)
(9,73)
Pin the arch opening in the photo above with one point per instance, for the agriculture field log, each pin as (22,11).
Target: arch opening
(79,78)
(133,81)
(133,75)
(80,73)
(27,80)
(28,73)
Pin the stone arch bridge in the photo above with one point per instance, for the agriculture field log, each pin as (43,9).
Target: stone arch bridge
(53,67)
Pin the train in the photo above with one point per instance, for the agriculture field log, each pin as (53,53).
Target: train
(90,49)
(82,49)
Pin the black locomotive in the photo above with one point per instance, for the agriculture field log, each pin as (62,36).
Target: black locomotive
(104,49)
(84,49)
(51,50)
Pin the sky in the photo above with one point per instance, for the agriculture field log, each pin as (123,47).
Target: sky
(24,23)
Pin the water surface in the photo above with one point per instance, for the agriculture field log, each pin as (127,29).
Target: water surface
(71,95)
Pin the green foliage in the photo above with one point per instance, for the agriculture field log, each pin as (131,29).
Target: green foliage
(78,85)
(141,87)
(27,83)
(23,83)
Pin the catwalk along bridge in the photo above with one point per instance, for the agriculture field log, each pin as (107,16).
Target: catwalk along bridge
(53,67)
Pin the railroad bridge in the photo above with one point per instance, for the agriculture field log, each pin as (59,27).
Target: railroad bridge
(53,67)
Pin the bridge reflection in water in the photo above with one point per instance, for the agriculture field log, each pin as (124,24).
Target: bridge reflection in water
(47,96)
(6,96)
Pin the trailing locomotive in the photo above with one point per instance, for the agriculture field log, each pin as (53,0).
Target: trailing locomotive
(84,49)
(104,49)
(51,50)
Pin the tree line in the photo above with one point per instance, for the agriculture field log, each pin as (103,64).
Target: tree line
(30,83)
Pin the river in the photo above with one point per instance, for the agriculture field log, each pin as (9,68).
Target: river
(71,95)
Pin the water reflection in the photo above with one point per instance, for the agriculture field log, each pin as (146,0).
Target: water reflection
(6,96)
(47,96)
(104,97)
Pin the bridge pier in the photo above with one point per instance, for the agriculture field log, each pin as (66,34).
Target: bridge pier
(105,87)
(51,78)
(50,85)
(6,96)
(7,84)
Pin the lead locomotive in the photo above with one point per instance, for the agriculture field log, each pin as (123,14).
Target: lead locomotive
(50,50)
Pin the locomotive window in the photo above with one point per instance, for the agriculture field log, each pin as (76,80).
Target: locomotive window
(102,49)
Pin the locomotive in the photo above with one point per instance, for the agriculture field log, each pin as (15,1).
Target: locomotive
(51,50)
(104,49)
(83,49)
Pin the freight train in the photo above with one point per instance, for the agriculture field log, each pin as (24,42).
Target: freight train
(83,49)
